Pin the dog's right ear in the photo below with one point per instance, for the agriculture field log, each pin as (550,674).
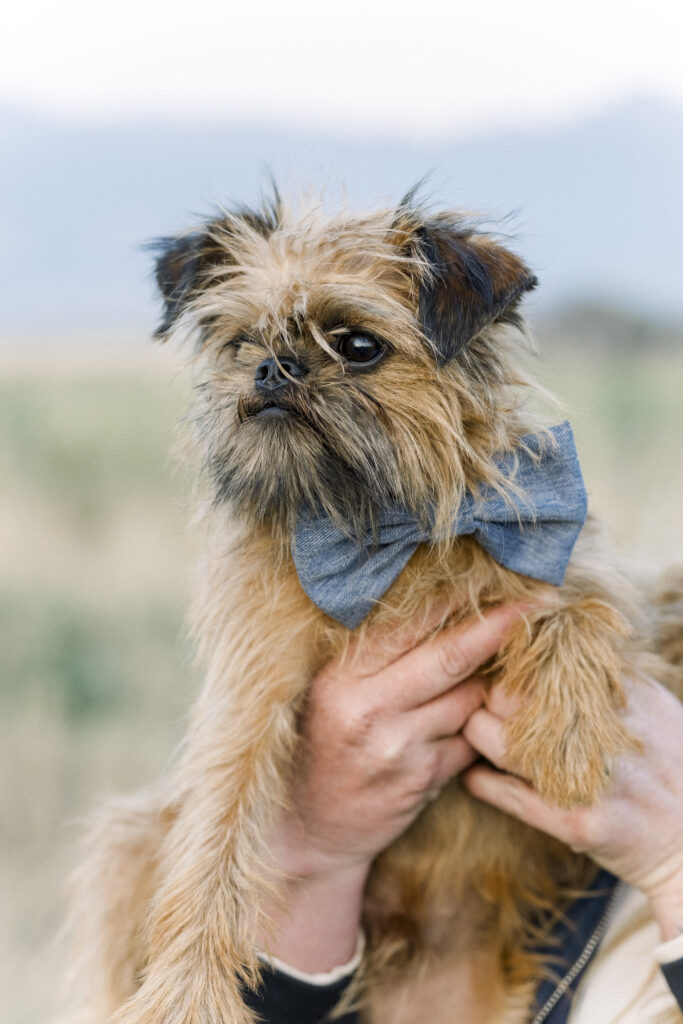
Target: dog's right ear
(185,262)
(180,265)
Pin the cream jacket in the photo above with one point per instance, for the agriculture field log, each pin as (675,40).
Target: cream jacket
(623,984)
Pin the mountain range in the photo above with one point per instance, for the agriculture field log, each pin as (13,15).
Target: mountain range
(594,206)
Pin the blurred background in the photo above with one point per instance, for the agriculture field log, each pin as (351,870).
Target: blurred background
(562,123)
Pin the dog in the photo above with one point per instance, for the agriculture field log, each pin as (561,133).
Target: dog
(347,364)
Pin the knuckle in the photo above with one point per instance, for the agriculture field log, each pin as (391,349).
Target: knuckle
(583,829)
(425,775)
(517,802)
(389,751)
(360,725)
(473,727)
(452,659)
(444,769)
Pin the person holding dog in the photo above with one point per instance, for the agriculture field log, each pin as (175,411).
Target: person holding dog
(381,738)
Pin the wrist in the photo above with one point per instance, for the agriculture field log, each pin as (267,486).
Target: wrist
(313,926)
(302,859)
(666,901)
(315,923)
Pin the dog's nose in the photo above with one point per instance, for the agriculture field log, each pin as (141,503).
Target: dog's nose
(276,372)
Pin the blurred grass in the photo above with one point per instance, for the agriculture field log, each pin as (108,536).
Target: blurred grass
(627,413)
(95,675)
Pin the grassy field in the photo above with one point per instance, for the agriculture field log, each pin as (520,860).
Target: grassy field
(95,674)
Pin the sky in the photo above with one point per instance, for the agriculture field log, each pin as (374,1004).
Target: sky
(383,68)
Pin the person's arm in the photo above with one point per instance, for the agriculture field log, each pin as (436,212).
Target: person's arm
(636,831)
(381,735)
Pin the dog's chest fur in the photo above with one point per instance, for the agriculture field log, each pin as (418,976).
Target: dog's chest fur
(456,890)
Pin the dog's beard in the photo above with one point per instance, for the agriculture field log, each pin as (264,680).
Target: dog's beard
(276,453)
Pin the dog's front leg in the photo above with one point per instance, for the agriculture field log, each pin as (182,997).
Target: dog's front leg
(567,664)
(214,867)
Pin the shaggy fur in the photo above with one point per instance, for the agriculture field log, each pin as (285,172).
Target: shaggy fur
(168,901)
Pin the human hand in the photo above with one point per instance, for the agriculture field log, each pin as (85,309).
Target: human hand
(381,734)
(636,830)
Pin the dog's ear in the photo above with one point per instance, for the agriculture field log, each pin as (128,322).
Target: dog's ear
(467,281)
(180,266)
(184,263)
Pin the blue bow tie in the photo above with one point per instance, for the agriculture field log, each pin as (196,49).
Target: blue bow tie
(533,535)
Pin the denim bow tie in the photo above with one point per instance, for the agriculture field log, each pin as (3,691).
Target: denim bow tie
(533,534)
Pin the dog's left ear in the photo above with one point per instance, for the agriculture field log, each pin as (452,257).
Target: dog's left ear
(467,282)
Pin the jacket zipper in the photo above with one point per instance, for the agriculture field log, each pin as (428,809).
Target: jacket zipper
(579,965)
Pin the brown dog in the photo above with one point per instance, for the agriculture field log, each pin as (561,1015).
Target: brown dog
(344,362)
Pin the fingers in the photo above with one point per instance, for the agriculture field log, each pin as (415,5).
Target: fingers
(486,733)
(446,715)
(454,755)
(514,796)
(502,703)
(446,659)
(437,764)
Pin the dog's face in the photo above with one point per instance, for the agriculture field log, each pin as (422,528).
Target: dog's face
(347,361)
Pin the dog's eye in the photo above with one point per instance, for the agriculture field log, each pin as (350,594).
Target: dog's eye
(360,348)
(235,344)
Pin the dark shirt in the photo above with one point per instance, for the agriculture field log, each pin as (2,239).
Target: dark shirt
(283,999)
(286,1000)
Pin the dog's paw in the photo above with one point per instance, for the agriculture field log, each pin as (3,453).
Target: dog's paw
(567,668)
(566,760)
